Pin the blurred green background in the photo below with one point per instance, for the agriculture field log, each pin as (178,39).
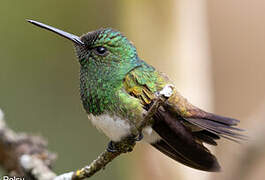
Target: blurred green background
(39,77)
(213,50)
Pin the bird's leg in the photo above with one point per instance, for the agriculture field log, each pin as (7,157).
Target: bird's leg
(125,145)
(114,146)
(111,148)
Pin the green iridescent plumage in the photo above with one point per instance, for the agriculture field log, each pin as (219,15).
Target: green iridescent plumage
(102,77)
(117,88)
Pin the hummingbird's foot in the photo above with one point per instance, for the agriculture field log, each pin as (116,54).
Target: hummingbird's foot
(139,137)
(124,146)
(111,147)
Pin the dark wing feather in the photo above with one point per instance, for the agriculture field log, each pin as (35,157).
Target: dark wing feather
(204,137)
(162,146)
(179,138)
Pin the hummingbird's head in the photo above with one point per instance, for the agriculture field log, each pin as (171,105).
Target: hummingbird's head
(105,57)
(103,47)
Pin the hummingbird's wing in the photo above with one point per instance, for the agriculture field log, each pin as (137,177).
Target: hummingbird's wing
(162,146)
(178,143)
(188,148)
(182,126)
(197,120)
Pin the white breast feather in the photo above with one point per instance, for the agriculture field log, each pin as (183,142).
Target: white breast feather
(116,128)
(112,126)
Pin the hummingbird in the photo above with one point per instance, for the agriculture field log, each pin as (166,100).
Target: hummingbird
(117,88)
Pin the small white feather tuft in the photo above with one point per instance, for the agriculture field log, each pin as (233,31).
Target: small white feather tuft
(167,90)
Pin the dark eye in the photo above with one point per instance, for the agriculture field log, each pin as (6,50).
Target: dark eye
(102,51)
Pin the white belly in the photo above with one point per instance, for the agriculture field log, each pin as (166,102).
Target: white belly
(116,128)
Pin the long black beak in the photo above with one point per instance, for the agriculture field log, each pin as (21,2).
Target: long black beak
(67,35)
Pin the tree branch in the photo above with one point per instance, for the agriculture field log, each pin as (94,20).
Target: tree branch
(16,148)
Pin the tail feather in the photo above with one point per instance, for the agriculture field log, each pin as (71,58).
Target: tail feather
(200,114)
(217,128)
(221,119)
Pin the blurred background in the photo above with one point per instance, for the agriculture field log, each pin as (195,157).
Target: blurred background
(213,50)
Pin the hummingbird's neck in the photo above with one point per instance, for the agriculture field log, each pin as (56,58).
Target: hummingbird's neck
(99,86)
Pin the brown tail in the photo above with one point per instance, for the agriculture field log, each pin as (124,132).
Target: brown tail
(218,125)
